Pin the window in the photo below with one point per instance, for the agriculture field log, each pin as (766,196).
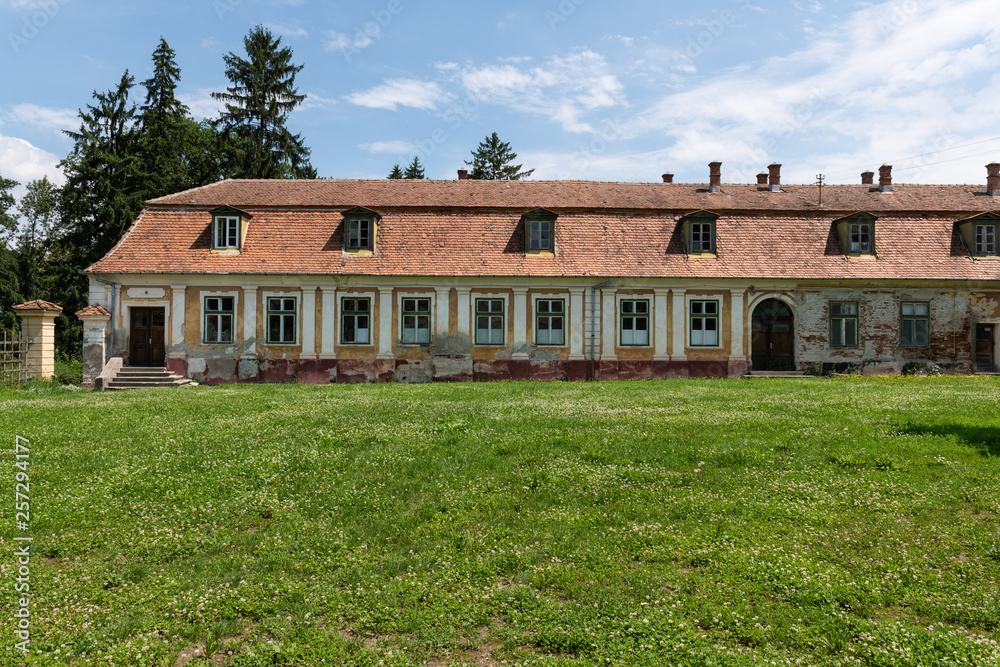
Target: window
(541,235)
(704,323)
(489,322)
(986,239)
(915,330)
(355,321)
(219,319)
(844,324)
(227,232)
(861,238)
(281,314)
(416,321)
(701,237)
(549,322)
(634,322)
(359,234)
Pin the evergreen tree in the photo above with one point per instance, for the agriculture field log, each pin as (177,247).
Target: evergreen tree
(103,193)
(9,294)
(39,209)
(414,169)
(258,103)
(162,122)
(494,161)
(396,173)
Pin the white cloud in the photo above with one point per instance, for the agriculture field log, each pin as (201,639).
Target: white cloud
(43,117)
(286,30)
(339,41)
(201,103)
(390,147)
(18,5)
(890,80)
(402,92)
(563,89)
(23,162)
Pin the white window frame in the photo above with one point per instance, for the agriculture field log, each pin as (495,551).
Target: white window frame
(986,246)
(477,296)
(863,229)
(400,297)
(720,303)
(204,312)
(839,321)
(549,225)
(649,299)
(702,241)
(535,298)
(230,243)
(372,317)
(348,237)
(297,295)
(904,318)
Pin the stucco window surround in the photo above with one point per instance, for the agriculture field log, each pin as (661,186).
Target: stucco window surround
(492,325)
(550,318)
(357,327)
(416,317)
(282,314)
(360,231)
(127,306)
(228,229)
(214,309)
(702,312)
(635,319)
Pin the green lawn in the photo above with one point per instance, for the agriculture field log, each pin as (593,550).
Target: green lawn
(842,521)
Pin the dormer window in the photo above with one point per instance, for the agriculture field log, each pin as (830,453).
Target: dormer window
(857,234)
(861,238)
(360,230)
(986,239)
(229,226)
(698,232)
(540,232)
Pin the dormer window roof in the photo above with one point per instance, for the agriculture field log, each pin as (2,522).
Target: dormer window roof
(698,232)
(980,234)
(360,229)
(539,232)
(229,228)
(857,234)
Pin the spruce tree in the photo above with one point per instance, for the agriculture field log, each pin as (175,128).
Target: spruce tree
(494,161)
(9,293)
(163,133)
(258,104)
(414,169)
(396,173)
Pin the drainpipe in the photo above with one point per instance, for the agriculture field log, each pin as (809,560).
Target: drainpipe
(114,291)
(593,317)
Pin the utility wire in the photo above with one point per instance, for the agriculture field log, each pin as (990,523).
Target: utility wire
(943,150)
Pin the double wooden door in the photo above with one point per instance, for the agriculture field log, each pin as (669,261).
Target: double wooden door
(773,342)
(146,337)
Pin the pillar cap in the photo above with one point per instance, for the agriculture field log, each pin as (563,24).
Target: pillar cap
(93,311)
(38,304)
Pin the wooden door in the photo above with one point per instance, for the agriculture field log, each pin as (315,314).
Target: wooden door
(147,337)
(773,337)
(984,349)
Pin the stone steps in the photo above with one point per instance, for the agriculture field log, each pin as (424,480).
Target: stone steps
(776,374)
(132,377)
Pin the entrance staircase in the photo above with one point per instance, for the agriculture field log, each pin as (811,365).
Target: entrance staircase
(776,374)
(135,377)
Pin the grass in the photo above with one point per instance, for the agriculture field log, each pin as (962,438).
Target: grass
(847,521)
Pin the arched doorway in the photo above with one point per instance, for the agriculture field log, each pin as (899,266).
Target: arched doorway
(773,337)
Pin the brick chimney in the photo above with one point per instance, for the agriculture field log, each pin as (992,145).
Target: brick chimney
(885,178)
(762,178)
(868,178)
(668,178)
(715,177)
(463,174)
(774,177)
(993,179)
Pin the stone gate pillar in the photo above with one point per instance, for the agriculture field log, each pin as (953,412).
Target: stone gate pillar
(38,328)
(95,329)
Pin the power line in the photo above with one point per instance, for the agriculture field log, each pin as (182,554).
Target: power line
(943,150)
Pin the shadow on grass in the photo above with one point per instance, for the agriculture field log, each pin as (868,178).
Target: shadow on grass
(985,438)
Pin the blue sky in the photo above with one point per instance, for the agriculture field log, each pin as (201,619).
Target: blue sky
(581,89)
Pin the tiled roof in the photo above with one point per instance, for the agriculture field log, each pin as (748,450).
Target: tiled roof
(38,304)
(93,311)
(456,241)
(578,195)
